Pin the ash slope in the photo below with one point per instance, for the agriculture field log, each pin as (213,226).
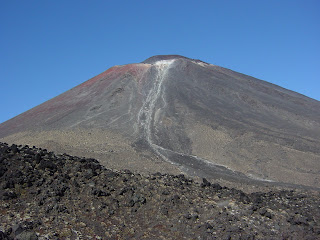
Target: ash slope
(48,196)
(201,118)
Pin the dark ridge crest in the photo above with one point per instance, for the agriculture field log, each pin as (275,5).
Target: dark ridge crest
(156,58)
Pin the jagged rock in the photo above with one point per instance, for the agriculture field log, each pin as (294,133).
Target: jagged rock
(9,195)
(122,204)
(205,183)
(47,164)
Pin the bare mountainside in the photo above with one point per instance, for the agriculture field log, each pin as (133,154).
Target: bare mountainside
(174,114)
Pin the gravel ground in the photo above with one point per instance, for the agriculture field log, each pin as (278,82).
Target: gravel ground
(48,196)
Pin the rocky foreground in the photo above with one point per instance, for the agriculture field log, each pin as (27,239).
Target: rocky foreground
(48,196)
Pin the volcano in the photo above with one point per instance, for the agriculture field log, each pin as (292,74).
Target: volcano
(174,114)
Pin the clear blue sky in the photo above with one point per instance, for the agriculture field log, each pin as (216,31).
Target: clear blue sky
(48,47)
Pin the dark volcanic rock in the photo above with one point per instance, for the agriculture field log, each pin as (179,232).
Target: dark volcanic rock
(66,204)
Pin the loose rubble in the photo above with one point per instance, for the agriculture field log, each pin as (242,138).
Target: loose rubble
(48,196)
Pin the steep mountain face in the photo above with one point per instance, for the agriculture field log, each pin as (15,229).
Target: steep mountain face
(172,114)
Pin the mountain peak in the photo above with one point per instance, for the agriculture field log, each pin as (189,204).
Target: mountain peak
(181,114)
(156,58)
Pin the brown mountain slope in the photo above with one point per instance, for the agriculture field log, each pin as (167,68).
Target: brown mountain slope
(173,114)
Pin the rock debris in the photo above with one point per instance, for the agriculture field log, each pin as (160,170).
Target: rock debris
(48,196)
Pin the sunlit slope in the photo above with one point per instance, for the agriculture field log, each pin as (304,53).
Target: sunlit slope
(180,114)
